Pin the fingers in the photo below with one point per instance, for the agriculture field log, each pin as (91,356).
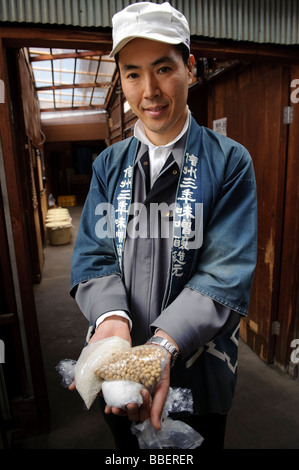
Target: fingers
(145,408)
(115,411)
(72,386)
(152,409)
(131,411)
(159,399)
(134,412)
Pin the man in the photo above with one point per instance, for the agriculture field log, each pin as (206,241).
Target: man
(177,261)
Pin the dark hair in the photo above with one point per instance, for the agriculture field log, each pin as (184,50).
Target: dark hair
(182,48)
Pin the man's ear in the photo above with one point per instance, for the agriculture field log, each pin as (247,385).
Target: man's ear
(190,66)
(192,59)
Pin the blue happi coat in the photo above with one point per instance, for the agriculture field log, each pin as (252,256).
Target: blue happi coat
(215,257)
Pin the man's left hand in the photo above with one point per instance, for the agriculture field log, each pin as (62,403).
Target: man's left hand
(151,407)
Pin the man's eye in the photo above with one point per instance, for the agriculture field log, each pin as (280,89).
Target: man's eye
(164,69)
(132,76)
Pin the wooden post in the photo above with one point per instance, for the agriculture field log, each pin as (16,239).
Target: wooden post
(27,312)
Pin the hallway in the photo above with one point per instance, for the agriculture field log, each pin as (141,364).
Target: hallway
(265,413)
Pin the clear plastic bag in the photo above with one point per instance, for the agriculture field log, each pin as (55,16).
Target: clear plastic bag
(95,354)
(66,369)
(179,400)
(174,434)
(123,371)
(141,364)
(90,374)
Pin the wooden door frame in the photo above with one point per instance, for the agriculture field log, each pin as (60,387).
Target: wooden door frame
(34,383)
(35,394)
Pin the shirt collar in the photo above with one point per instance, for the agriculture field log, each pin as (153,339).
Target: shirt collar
(139,133)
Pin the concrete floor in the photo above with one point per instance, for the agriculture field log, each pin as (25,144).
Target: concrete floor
(265,413)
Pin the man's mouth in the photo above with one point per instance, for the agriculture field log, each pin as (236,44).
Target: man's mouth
(155,111)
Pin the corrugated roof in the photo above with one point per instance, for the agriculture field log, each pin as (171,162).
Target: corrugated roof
(260,21)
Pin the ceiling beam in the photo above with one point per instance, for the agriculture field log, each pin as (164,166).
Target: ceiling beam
(74,108)
(225,49)
(56,38)
(72,86)
(69,55)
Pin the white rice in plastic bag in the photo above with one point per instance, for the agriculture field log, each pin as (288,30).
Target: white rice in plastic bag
(91,358)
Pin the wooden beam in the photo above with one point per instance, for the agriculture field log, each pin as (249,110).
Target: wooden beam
(70,86)
(11,143)
(70,55)
(78,39)
(7,319)
(74,108)
(223,49)
(109,94)
(56,38)
(95,79)
(75,132)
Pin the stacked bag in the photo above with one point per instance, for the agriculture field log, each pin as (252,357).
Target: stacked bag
(59,224)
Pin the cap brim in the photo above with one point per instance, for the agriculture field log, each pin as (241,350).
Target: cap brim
(158,38)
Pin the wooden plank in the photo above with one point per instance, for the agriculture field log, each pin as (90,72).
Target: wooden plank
(7,319)
(8,305)
(72,87)
(265,138)
(27,120)
(251,100)
(288,313)
(14,186)
(73,108)
(72,38)
(241,51)
(7,295)
(56,38)
(75,132)
(70,55)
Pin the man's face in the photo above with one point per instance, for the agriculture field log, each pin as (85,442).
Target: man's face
(155,82)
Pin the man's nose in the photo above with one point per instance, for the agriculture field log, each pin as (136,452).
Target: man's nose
(151,88)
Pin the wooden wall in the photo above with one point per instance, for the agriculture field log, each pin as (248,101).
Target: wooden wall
(24,406)
(252,98)
(25,388)
(288,301)
(120,123)
(81,131)
(30,151)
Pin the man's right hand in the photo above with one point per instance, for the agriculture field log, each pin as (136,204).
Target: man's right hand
(111,326)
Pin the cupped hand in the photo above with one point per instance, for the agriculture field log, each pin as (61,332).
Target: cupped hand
(111,326)
(152,407)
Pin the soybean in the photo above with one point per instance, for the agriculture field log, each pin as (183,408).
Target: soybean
(141,364)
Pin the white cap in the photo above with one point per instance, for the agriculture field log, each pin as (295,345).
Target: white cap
(159,22)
